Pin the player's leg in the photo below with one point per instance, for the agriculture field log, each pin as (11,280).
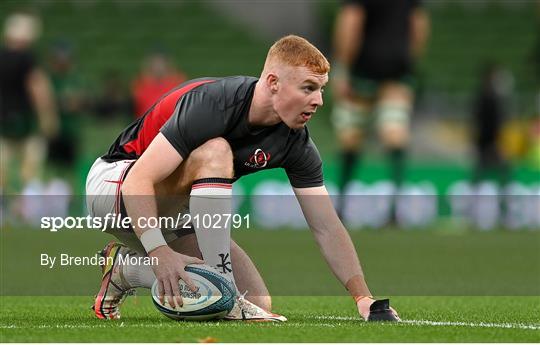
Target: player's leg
(209,171)
(348,118)
(206,176)
(248,279)
(103,199)
(6,162)
(192,172)
(6,155)
(33,159)
(254,302)
(393,117)
(32,151)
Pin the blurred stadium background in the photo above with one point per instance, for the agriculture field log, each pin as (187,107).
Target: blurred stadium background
(109,40)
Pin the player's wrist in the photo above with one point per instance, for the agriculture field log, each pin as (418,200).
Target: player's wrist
(357,287)
(152,239)
(358,299)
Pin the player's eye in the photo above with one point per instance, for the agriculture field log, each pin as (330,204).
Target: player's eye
(309,88)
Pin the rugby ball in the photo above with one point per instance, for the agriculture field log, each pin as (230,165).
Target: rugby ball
(213,299)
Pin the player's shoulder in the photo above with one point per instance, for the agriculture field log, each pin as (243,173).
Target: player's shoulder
(301,135)
(301,142)
(226,91)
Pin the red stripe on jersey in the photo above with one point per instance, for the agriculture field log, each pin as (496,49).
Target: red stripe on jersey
(157,117)
(212,185)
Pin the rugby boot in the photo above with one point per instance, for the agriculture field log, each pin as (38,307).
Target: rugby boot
(114,288)
(244,310)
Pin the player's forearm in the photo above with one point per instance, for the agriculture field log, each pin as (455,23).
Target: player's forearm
(139,199)
(340,254)
(139,192)
(333,239)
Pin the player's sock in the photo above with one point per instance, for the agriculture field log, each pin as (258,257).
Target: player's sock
(397,165)
(209,197)
(349,160)
(392,112)
(139,275)
(396,158)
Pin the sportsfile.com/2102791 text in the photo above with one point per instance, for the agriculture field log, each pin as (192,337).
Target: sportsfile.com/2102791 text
(181,221)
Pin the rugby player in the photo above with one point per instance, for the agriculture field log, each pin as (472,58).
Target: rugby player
(375,46)
(183,156)
(28,114)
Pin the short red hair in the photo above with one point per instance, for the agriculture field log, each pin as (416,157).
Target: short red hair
(297,52)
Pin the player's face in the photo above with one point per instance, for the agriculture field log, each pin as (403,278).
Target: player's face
(299,94)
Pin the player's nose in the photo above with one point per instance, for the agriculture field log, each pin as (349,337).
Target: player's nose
(318,99)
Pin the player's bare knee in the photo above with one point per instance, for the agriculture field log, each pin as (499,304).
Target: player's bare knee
(214,158)
(214,150)
(350,139)
(394,137)
(395,92)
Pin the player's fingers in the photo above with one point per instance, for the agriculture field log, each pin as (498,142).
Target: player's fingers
(192,260)
(364,315)
(176,292)
(185,277)
(169,293)
(161,291)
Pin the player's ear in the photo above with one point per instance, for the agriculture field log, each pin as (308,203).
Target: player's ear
(272,82)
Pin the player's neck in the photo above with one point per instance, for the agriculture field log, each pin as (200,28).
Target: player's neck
(261,111)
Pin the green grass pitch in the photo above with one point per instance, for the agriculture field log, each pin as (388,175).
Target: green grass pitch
(447,287)
(311,319)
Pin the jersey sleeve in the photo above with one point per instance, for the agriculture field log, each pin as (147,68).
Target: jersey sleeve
(304,166)
(196,119)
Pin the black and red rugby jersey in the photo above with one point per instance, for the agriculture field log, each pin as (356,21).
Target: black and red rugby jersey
(201,109)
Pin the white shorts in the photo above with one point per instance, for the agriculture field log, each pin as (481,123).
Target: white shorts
(103,185)
(103,196)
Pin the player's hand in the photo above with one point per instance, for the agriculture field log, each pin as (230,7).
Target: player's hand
(169,270)
(363,305)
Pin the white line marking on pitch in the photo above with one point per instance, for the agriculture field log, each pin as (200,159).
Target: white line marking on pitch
(329,318)
(443,323)
(145,325)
